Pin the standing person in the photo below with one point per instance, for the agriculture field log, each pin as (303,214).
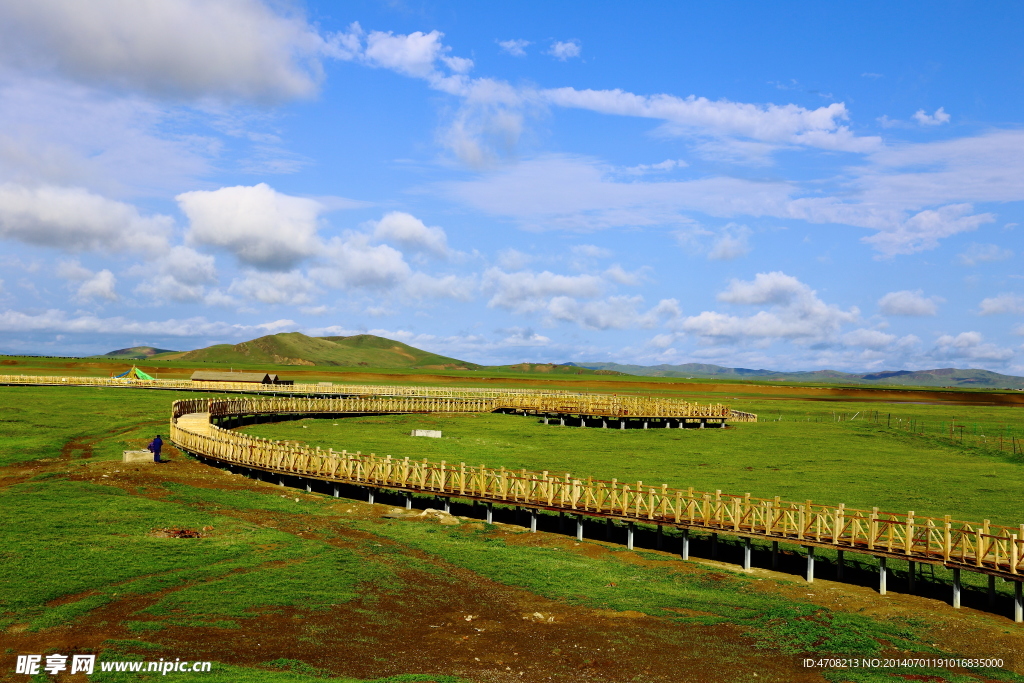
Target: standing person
(155,445)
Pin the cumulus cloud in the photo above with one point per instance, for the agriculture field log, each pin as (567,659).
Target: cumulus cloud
(87,285)
(612,313)
(73,219)
(527,291)
(292,288)
(910,303)
(937,119)
(58,321)
(353,262)
(983,253)
(515,47)
(564,50)
(411,233)
(1003,303)
(796,312)
(180,274)
(232,49)
(732,242)
(969,347)
(870,339)
(262,228)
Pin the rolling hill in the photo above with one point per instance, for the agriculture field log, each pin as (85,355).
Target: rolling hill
(295,348)
(945,377)
(137,353)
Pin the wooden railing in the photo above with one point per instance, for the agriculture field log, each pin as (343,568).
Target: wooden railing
(985,547)
(424,399)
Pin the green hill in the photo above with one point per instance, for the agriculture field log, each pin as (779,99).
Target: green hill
(295,348)
(944,377)
(136,353)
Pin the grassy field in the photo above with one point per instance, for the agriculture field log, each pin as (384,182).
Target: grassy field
(305,587)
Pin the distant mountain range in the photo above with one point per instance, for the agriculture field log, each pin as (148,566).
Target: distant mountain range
(367,350)
(946,377)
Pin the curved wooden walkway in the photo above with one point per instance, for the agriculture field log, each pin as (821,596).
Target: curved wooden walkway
(997,551)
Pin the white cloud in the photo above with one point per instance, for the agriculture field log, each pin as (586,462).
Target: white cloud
(513,259)
(871,339)
(732,243)
(968,346)
(1003,303)
(515,47)
(660,167)
(232,49)
(55,320)
(292,288)
(621,276)
(354,263)
(910,303)
(424,286)
(983,253)
(528,292)
(613,313)
(412,55)
(102,285)
(73,219)
(937,119)
(262,228)
(524,336)
(410,232)
(796,312)
(179,274)
(564,50)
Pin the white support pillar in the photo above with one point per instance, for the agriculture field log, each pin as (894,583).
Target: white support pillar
(280,480)
(447,502)
(561,421)
(702,424)
(533,521)
(660,538)
(579,527)
(336,491)
(911,576)
(490,513)
(775,554)
(721,425)
(369,496)
(748,550)
(957,588)
(622,424)
(668,425)
(685,554)
(309,486)
(645,424)
(1018,602)
(883,573)
(604,423)
(991,590)
(630,529)
(408,501)
(810,564)
(545,419)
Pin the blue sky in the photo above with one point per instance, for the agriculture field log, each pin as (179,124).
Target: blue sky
(792,186)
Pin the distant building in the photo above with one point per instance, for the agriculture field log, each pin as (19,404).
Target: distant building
(245,377)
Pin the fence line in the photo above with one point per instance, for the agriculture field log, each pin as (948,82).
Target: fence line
(992,549)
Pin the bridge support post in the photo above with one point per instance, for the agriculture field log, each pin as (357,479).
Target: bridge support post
(685,554)
(714,546)
(309,486)
(956,588)
(721,425)
(775,554)
(490,513)
(668,425)
(630,530)
(702,424)
(645,424)
(810,564)
(408,501)
(883,572)
(911,576)
(369,495)
(622,424)
(336,491)
(447,502)
(608,529)
(561,522)
(1018,602)
(533,521)
(748,550)
(660,538)
(545,419)
(991,590)
(280,480)
(579,527)
(561,421)
(604,423)
(840,563)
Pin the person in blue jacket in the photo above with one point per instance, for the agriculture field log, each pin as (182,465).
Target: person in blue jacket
(155,445)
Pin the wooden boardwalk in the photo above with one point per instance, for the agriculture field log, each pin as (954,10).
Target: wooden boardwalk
(997,551)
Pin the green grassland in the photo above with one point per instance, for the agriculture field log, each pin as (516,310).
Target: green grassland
(75,545)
